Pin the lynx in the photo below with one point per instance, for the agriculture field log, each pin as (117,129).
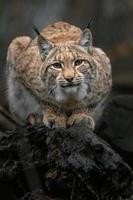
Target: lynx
(58,78)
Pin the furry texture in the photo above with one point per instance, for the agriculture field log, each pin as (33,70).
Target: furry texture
(58,75)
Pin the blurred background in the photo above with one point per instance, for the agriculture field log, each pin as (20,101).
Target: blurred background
(112,30)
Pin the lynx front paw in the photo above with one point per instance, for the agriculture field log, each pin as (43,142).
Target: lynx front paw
(54,121)
(84,118)
(34,118)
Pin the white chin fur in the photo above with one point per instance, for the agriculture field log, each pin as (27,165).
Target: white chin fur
(79,92)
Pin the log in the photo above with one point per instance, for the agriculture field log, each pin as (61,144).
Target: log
(116,126)
(37,163)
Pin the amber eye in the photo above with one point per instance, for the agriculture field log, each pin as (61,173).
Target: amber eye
(57,65)
(79,62)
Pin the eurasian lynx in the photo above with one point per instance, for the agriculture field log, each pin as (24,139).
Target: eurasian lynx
(58,77)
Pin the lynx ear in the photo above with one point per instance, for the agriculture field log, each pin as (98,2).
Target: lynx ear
(86,40)
(44,45)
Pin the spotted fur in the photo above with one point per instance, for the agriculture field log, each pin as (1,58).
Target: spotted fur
(58,75)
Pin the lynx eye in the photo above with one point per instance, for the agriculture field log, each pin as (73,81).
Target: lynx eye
(79,62)
(57,65)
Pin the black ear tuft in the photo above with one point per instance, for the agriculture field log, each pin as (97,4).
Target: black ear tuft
(36,30)
(90,22)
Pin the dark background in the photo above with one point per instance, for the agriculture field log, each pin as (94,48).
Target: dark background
(112,30)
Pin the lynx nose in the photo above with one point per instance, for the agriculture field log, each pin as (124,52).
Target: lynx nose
(69,79)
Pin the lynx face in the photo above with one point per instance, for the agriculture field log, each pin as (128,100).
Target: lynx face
(66,70)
